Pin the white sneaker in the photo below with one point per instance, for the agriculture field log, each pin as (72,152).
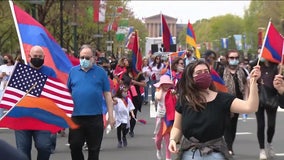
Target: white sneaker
(159,154)
(270,150)
(262,155)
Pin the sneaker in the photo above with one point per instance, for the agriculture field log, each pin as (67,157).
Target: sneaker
(146,102)
(270,150)
(262,155)
(119,145)
(124,140)
(231,153)
(131,134)
(159,154)
(85,147)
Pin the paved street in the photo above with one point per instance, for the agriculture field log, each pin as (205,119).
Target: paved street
(141,147)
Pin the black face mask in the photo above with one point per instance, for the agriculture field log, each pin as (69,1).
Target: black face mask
(5,61)
(37,62)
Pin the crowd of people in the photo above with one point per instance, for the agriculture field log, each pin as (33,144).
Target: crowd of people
(190,110)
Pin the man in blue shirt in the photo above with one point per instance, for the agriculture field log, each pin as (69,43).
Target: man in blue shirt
(87,83)
(44,140)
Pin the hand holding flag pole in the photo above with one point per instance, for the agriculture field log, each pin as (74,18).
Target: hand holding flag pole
(32,87)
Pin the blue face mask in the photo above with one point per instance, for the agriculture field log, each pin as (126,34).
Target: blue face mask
(233,62)
(85,63)
(262,59)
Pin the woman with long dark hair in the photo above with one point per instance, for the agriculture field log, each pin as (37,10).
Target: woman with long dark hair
(201,113)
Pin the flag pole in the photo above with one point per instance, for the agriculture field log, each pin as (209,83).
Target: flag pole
(32,87)
(263,43)
(281,63)
(18,31)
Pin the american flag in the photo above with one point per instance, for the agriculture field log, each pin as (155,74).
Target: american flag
(22,80)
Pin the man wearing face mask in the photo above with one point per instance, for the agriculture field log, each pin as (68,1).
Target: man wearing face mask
(88,83)
(235,79)
(189,57)
(44,141)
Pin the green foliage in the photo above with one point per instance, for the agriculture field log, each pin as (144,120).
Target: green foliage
(76,15)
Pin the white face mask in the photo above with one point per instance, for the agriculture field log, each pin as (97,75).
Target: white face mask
(180,69)
(234,62)
(124,94)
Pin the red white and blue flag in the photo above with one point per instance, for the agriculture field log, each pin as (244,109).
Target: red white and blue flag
(31,33)
(24,77)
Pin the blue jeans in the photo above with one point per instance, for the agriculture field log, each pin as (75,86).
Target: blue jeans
(153,89)
(189,155)
(53,142)
(42,141)
(146,91)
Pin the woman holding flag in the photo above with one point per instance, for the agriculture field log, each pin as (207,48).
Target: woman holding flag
(201,113)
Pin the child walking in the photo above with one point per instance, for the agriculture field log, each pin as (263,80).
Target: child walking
(122,107)
(162,130)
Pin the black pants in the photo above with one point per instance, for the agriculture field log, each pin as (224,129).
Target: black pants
(121,129)
(133,121)
(90,130)
(271,121)
(230,130)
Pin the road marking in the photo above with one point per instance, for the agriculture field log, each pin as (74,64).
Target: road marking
(243,133)
(279,154)
(152,110)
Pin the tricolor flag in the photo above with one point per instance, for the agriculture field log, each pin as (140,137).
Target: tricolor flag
(34,113)
(166,34)
(24,77)
(136,54)
(99,10)
(272,47)
(218,81)
(191,39)
(174,55)
(31,33)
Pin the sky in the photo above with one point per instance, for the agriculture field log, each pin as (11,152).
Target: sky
(188,10)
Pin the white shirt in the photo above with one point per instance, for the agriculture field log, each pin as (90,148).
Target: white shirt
(146,72)
(122,111)
(8,70)
(157,71)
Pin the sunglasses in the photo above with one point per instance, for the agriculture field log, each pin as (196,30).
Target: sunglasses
(233,57)
(85,57)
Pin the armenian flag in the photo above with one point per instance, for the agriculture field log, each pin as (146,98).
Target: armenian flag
(272,48)
(31,33)
(191,40)
(37,113)
(218,81)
